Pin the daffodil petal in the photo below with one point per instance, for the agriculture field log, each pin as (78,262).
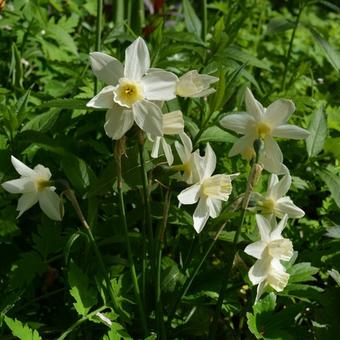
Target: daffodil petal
(215,206)
(159,85)
(277,231)
(255,249)
(190,195)
(118,121)
(201,215)
(21,168)
(106,68)
(238,122)
(278,112)
(49,203)
(209,162)
(242,145)
(285,205)
(167,151)
(20,185)
(148,116)
(264,228)
(280,189)
(290,131)
(258,272)
(137,60)
(254,107)
(260,290)
(273,179)
(104,99)
(156,147)
(26,201)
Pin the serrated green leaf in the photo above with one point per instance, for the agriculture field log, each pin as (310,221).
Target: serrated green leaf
(43,122)
(192,21)
(21,331)
(216,134)
(318,133)
(117,332)
(81,291)
(71,104)
(302,272)
(333,184)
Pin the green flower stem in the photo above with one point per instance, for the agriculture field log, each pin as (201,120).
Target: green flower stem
(119,14)
(98,35)
(205,20)
(159,246)
(79,322)
(252,179)
(72,197)
(290,47)
(118,155)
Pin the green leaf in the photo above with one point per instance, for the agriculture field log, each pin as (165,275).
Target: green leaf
(277,25)
(21,331)
(332,146)
(71,104)
(43,122)
(216,134)
(318,133)
(192,21)
(117,332)
(331,54)
(333,184)
(84,295)
(301,272)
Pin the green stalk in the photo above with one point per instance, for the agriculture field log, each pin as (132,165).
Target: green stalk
(141,15)
(290,47)
(98,35)
(72,197)
(119,14)
(159,246)
(252,179)
(204,20)
(118,153)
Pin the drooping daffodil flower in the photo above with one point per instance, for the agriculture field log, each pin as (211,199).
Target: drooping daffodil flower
(173,124)
(209,192)
(263,123)
(192,84)
(269,251)
(131,90)
(274,202)
(35,186)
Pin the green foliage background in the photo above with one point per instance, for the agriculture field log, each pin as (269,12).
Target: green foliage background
(49,278)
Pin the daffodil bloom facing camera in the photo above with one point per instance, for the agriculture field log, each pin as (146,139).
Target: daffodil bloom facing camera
(35,186)
(269,251)
(209,192)
(173,124)
(192,84)
(131,90)
(263,123)
(275,203)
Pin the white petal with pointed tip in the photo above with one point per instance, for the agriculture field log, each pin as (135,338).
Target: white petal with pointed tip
(253,106)
(214,206)
(258,271)
(281,188)
(190,195)
(137,60)
(285,205)
(167,151)
(238,122)
(255,249)
(104,99)
(159,85)
(278,112)
(118,121)
(201,215)
(106,68)
(20,185)
(26,201)
(148,116)
(209,162)
(264,228)
(276,233)
(21,168)
(49,203)
(290,131)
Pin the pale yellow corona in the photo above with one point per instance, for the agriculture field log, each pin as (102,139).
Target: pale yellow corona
(128,93)
(263,130)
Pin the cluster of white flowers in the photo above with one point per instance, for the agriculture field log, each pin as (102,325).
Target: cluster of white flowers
(135,93)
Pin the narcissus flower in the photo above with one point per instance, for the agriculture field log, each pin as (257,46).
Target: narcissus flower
(192,84)
(275,203)
(209,192)
(189,159)
(263,123)
(35,186)
(131,90)
(269,251)
(173,124)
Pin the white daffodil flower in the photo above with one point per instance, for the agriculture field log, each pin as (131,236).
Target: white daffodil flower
(131,90)
(173,124)
(275,203)
(188,158)
(269,251)
(264,123)
(35,186)
(192,84)
(209,192)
